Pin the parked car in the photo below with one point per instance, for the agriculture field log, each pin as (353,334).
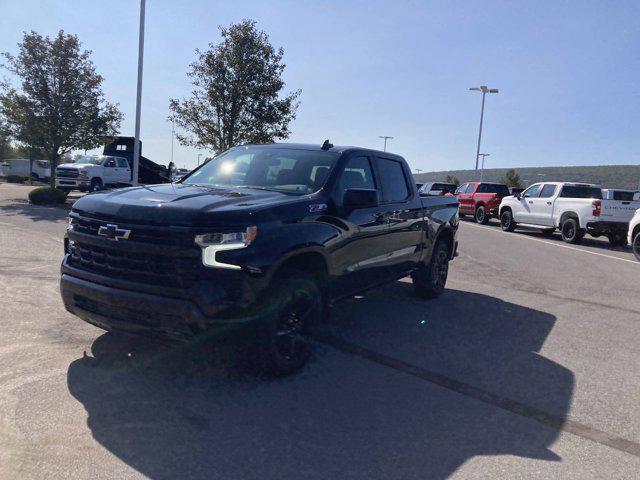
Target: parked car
(178,173)
(93,173)
(262,239)
(634,234)
(481,199)
(39,170)
(437,188)
(574,208)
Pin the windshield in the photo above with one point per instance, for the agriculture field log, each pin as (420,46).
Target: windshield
(271,168)
(89,160)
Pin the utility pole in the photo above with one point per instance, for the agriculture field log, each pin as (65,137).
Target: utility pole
(386,137)
(484,89)
(136,144)
(418,170)
(482,169)
(199,155)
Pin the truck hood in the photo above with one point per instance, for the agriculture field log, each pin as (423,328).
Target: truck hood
(176,204)
(76,166)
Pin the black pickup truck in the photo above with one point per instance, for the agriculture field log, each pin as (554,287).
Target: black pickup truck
(262,239)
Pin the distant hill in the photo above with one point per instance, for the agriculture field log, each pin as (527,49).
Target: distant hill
(608,176)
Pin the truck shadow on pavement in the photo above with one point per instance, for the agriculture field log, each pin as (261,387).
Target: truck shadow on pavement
(36,213)
(198,413)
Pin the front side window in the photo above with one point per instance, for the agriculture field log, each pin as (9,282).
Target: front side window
(110,163)
(532,191)
(547,191)
(268,168)
(393,180)
(357,173)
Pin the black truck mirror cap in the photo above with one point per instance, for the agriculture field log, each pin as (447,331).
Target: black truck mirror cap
(360,198)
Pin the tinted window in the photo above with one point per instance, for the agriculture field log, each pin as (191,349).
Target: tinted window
(532,191)
(624,196)
(444,187)
(548,191)
(269,168)
(110,163)
(357,174)
(122,163)
(580,191)
(493,188)
(468,188)
(394,183)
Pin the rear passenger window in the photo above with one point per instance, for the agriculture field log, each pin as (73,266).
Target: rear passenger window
(548,191)
(394,183)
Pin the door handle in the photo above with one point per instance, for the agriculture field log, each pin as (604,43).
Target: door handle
(530,201)
(548,203)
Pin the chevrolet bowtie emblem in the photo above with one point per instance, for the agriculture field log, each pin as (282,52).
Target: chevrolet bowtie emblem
(113,232)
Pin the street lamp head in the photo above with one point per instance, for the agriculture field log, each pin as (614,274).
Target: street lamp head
(493,90)
(475,89)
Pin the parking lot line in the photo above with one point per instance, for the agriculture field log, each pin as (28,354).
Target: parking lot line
(554,421)
(491,229)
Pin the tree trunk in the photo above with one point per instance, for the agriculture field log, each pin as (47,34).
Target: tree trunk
(53,163)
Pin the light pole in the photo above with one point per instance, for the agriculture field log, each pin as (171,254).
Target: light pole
(199,155)
(136,144)
(386,137)
(418,170)
(484,89)
(173,134)
(482,169)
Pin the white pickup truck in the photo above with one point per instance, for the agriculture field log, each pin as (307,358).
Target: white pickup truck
(574,208)
(634,234)
(91,173)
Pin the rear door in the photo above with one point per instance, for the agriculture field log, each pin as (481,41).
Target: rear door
(403,211)
(541,207)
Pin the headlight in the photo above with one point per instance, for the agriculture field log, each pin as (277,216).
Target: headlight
(212,243)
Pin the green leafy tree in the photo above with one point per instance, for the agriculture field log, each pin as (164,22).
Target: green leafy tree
(58,105)
(512,179)
(452,179)
(237,93)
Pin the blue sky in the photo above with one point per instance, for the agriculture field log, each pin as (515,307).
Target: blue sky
(568,72)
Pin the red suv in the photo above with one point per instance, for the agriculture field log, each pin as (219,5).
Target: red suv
(481,199)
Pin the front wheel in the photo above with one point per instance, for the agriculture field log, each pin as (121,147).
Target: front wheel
(571,231)
(506,221)
(481,215)
(636,246)
(617,239)
(95,185)
(429,281)
(295,308)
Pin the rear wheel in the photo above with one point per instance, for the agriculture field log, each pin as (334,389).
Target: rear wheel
(295,308)
(481,215)
(95,185)
(429,281)
(571,231)
(617,239)
(636,246)
(506,221)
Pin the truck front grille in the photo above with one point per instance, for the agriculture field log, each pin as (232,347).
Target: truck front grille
(67,173)
(135,267)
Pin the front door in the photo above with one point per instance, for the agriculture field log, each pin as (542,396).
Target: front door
(465,198)
(522,213)
(541,207)
(109,174)
(360,255)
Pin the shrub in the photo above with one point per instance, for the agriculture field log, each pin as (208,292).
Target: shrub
(16,179)
(47,195)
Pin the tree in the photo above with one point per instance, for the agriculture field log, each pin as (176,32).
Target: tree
(59,105)
(512,179)
(452,179)
(237,93)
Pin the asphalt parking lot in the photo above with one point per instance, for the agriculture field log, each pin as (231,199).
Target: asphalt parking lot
(526,367)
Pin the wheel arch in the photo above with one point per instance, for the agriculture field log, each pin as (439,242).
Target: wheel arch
(566,215)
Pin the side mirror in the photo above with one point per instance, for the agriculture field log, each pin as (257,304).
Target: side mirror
(360,198)
(518,195)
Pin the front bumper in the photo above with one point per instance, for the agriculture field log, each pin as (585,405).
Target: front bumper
(74,183)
